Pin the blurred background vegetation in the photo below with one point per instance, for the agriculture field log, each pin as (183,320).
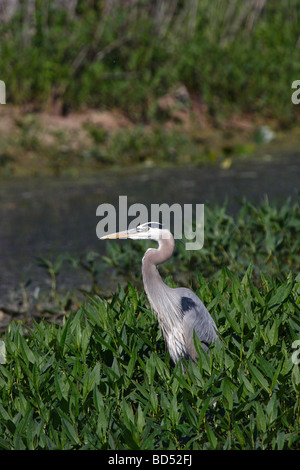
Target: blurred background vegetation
(232,56)
(147,82)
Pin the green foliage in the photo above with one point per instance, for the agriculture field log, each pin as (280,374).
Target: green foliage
(103,380)
(149,146)
(128,56)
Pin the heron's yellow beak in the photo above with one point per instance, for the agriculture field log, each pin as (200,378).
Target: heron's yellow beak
(125,234)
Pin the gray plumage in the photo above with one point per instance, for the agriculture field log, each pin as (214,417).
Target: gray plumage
(179,311)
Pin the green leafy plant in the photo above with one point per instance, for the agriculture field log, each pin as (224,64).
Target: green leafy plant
(104,381)
(130,57)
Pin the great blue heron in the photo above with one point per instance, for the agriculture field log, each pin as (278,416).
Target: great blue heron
(179,311)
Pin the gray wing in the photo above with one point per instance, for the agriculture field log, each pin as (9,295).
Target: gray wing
(196,318)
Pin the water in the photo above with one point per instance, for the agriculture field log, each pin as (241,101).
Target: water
(48,216)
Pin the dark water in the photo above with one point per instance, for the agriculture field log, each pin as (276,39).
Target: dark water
(46,217)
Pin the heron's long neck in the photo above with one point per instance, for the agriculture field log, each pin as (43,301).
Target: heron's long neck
(153,282)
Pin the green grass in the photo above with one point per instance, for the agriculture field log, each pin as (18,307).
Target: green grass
(103,379)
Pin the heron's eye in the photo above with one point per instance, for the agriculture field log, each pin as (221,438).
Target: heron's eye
(147,228)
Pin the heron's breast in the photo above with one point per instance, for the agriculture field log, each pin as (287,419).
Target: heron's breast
(176,343)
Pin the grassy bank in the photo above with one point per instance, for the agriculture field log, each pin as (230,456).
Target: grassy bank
(143,83)
(33,144)
(103,380)
(232,57)
(43,144)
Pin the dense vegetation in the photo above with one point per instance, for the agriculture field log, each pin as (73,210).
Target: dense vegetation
(104,380)
(232,56)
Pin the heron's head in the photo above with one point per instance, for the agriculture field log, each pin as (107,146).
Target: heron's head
(149,230)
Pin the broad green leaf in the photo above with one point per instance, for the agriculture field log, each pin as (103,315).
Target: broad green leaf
(266,367)
(62,386)
(3,413)
(66,336)
(203,411)
(260,416)
(127,414)
(211,436)
(273,332)
(287,366)
(174,413)
(227,392)
(26,352)
(230,315)
(281,294)
(272,408)
(258,377)
(239,434)
(96,312)
(247,383)
(70,431)
(189,412)
(280,440)
(222,281)
(150,369)
(140,419)
(154,400)
(132,364)
(98,399)
(102,422)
